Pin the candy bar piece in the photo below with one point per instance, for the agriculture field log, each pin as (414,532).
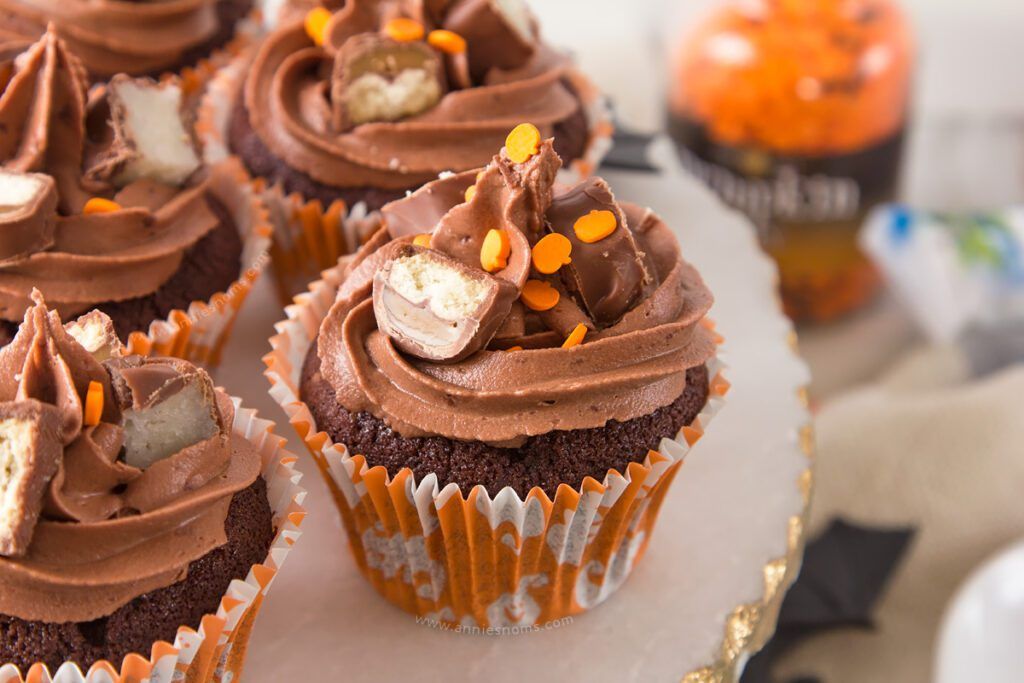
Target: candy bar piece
(28,213)
(436,308)
(151,139)
(607,275)
(166,405)
(30,450)
(95,332)
(499,33)
(380,79)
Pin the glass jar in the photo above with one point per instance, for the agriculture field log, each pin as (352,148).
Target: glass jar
(795,112)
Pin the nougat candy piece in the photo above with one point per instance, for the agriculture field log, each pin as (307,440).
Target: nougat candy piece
(95,332)
(30,452)
(28,213)
(500,34)
(437,308)
(379,79)
(151,138)
(608,276)
(166,405)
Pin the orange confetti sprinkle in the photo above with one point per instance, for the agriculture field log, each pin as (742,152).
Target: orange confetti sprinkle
(539,295)
(423,240)
(514,348)
(575,337)
(316,24)
(93,404)
(595,226)
(404,30)
(551,253)
(100,205)
(470,193)
(495,251)
(523,142)
(446,41)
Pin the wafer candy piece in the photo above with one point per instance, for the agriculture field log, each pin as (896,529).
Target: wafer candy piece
(437,308)
(166,405)
(499,34)
(30,451)
(96,334)
(151,139)
(377,78)
(28,213)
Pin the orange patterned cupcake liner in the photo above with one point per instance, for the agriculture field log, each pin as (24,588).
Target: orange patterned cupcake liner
(216,651)
(309,237)
(480,560)
(199,333)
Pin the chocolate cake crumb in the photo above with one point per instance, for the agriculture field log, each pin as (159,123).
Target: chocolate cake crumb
(157,615)
(545,460)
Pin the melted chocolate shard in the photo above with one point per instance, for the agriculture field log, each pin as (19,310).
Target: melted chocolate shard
(166,404)
(151,137)
(95,332)
(607,276)
(436,308)
(28,214)
(379,79)
(500,34)
(30,451)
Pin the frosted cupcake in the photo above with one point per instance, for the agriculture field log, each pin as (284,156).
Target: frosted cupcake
(136,503)
(506,348)
(105,202)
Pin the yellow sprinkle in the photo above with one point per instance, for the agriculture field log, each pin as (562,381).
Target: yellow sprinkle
(404,30)
(316,24)
(523,142)
(100,205)
(470,193)
(423,240)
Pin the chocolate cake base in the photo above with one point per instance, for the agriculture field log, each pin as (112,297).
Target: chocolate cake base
(210,266)
(545,461)
(571,136)
(156,615)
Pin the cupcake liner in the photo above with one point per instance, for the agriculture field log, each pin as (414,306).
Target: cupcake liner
(199,333)
(480,560)
(216,651)
(309,237)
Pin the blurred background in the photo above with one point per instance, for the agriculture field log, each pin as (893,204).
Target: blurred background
(909,301)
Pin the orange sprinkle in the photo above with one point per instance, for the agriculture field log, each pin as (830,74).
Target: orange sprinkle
(495,250)
(447,41)
(514,348)
(423,240)
(538,295)
(93,404)
(523,142)
(470,193)
(404,30)
(595,226)
(100,205)
(575,337)
(551,253)
(316,24)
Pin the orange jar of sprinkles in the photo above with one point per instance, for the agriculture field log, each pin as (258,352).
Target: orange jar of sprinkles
(795,112)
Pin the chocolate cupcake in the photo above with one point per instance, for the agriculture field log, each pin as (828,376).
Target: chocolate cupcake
(133,502)
(124,36)
(105,203)
(351,110)
(520,368)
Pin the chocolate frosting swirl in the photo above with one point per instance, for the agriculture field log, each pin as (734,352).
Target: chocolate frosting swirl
(109,532)
(628,366)
(117,36)
(287,96)
(51,127)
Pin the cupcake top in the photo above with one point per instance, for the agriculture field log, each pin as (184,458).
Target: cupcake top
(118,469)
(126,36)
(389,94)
(494,306)
(101,193)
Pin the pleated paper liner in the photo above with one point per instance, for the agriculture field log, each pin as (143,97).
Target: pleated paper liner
(216,651)
(309,237)
(199,333)
(479,560)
